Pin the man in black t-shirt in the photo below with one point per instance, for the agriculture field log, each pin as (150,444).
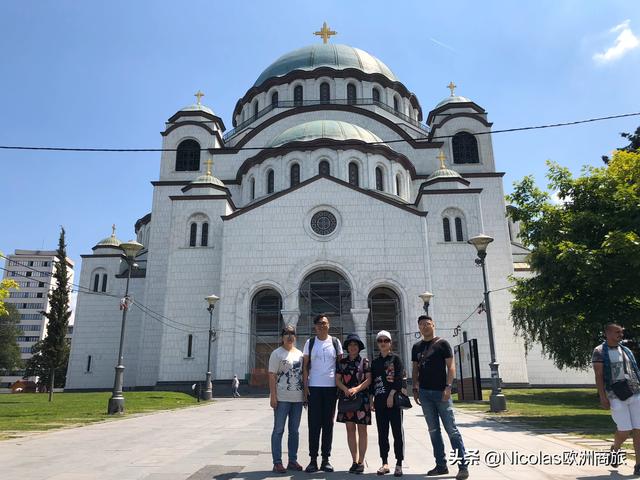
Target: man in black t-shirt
(433,372)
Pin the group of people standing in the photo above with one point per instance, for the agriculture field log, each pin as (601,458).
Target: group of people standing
(326,371)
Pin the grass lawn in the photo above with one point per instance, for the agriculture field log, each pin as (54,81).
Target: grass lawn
(575,410)
(32,412)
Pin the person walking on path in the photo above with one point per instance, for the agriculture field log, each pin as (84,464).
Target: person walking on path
(618,383)
(433,373)
(321,354)
(386,375)
(286,392)
(353,379)
(235,383)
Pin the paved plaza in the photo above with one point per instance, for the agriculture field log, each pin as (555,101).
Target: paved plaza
(229,439)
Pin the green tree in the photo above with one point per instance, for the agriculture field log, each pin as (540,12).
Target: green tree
(634,143)
(585,257)
(5,285)
(55,344)
(9,349)
(39,366)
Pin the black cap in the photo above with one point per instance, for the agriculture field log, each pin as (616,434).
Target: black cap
(352,337)
(287,330)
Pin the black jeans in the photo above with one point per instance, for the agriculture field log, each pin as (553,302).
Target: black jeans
(322,409)
(384,417)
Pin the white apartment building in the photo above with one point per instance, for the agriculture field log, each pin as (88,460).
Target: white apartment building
(33,271)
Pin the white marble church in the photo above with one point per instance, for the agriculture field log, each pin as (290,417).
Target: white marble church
(334,192)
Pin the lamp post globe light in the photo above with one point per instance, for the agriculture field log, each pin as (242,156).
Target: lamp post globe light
(426,299)
(497,401)
(116,402)
(208,393)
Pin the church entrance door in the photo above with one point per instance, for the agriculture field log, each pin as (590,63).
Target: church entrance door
(384,314)
(325,291)
(266,326)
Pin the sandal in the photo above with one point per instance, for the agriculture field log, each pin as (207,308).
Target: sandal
(398,471)
(383,470)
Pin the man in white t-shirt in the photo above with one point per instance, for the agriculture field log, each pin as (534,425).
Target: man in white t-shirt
(321,354)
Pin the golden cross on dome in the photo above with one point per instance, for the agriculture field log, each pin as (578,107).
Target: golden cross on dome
(325,33)
(209,163)
(199,95)
(452,86)
(113,230)
(442,158)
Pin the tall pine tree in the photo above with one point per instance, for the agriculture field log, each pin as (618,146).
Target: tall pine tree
(54,345)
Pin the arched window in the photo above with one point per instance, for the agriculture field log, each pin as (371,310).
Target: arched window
(324,168)
(354,174)
(325,92)
(104,282)
(96,282)
(274,99)
(465,148)
(255,109)
(266,324)
(295,174)
(188,156)
(351,94)
(396,104)
(398,185)
(447,229)
(270,181)
(459,233)
(376,95)
(252,187)
(204,236)
(379,179)
(297,95)
(193,234)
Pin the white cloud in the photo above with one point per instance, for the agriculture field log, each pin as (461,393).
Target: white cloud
(625,42)
(448,47)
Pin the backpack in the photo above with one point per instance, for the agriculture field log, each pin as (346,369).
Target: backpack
(336,345)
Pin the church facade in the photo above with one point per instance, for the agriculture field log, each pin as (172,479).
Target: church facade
(333,193)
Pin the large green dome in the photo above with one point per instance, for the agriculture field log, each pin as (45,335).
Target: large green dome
(331,129)
(338,57)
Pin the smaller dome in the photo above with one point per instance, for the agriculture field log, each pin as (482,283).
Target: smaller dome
(444,173)
(453,99)
(331,129)
(208,179)
(198,108)
(109,242)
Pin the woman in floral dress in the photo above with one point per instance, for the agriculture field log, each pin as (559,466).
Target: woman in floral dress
(353,377)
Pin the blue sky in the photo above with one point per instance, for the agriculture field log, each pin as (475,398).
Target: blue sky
(109,74)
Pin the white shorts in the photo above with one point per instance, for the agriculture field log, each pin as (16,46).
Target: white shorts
(626,413)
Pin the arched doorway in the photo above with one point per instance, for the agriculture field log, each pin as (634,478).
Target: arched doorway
(384,314)
(266,325)
(325,291)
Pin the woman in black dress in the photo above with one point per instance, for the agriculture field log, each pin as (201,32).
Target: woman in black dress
(386,374)
(353,378)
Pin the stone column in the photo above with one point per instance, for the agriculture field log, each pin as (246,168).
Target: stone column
(360,317)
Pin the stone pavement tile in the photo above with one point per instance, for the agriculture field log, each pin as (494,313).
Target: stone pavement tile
(179,444)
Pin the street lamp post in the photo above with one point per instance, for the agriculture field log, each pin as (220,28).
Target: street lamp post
(116,402)
(426,299)
(208,393)
(497,401)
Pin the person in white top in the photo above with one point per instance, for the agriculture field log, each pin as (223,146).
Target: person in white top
(286,398)
(321,354)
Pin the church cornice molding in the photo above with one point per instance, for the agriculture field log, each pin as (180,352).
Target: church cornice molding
(321,143)
(468,174)
(371,193)
(195,123)
(452,191)
(448,118)
(191,186)
(416,144)
(227,197)
(197,113)
(446,180)
(142,221)
(449,106)
(326,72)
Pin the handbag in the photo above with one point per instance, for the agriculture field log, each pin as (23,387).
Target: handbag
(400,400)
(621,388)
(350,404)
